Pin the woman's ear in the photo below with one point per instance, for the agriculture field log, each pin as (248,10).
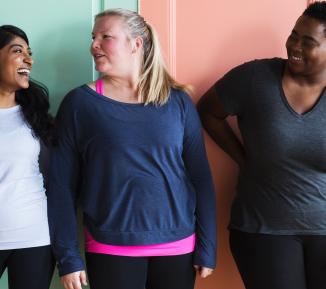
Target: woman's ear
(137,44)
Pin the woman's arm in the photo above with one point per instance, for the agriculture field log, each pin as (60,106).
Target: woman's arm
(196,163)
(213,117)
(62,192)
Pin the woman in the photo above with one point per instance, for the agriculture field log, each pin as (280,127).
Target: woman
(132,153)
(25,126)
(278,227)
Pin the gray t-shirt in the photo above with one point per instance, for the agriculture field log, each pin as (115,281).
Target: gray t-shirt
(282,188)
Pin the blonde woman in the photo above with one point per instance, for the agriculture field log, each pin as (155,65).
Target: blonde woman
(131,151)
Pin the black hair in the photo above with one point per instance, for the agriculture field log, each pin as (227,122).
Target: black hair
(317,10)
(33,100)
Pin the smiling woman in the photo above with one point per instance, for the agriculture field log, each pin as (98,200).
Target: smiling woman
(278,216)
(24,125)
(17,63)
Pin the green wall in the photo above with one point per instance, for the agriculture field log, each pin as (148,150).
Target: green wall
(126,4)
(60,35)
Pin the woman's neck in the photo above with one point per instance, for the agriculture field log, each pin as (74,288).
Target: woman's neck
(121,89)
(316,80)
(7,99)
(121,83)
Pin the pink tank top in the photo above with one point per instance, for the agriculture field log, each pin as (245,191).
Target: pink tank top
(183,246)
(99,86)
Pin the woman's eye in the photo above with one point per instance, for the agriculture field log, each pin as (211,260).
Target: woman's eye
(308,43)
(18,51)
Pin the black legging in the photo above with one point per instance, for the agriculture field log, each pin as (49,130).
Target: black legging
(280,261)
(30,268)
(119,272)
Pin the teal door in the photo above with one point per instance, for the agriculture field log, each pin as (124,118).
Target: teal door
(60,34)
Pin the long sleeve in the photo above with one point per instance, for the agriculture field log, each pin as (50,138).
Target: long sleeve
(195,159)
(62,192)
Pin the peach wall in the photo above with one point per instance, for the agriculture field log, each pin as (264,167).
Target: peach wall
(201,40)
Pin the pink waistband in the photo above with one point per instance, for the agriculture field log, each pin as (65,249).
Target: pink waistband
(180,247)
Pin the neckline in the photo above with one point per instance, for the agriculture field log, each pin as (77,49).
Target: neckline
(9,110)
(287,104)
(109,99)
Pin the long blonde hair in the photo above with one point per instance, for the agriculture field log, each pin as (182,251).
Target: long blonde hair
(155,82)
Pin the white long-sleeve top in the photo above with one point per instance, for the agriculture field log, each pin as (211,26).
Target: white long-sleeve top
(23,207)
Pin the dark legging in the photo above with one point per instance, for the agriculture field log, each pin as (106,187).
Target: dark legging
(119,272)
(279,261)
(30,268)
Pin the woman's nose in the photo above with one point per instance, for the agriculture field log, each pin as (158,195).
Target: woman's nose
(28,59)
(95,44)
(297,45)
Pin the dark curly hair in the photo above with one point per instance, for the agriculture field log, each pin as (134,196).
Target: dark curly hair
(317,10)
(34,100)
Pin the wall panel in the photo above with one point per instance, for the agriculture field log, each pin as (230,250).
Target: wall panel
(203,39)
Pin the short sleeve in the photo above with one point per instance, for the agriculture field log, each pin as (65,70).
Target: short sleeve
(235,87)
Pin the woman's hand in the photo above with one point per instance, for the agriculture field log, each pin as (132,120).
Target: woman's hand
(203,271)
(74,280)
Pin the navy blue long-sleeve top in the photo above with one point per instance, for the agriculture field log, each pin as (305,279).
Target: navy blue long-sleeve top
(139,173)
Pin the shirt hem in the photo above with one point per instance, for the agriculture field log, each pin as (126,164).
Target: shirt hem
(139,238)
(23,245)
(277,232)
